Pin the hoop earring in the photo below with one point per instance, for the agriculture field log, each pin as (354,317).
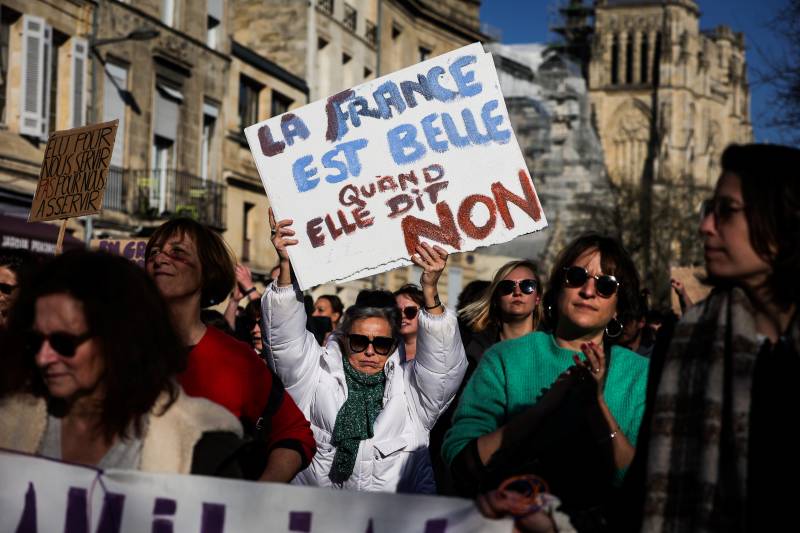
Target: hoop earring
(614,328)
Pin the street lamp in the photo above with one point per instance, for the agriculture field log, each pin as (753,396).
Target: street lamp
(139,34)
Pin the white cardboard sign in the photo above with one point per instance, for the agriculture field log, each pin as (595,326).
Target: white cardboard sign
(40,495)
(426,153)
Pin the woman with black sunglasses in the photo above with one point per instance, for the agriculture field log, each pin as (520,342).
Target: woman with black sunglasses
(509,308)
(593,287)
(371,411)
(89,375)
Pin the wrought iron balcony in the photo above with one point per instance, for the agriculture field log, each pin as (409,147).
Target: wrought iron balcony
(326,6)
(164,193)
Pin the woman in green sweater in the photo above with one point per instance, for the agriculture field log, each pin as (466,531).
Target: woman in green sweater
(593,288)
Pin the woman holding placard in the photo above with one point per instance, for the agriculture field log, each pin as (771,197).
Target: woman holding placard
(370,411)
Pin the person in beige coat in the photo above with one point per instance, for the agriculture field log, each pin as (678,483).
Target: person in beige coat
(90,360)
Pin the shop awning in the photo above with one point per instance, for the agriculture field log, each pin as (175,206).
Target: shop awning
(37,237)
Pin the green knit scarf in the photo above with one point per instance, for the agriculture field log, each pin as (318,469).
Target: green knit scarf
(355,418)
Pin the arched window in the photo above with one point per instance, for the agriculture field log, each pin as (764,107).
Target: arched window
(657,60)
(615,61)
(629,59)
(643,70)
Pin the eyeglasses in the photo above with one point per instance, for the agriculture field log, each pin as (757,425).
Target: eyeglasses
(526,286)
(410,312)
(7,288)
(359,343)
(576,276)
(64,343)
(721,207)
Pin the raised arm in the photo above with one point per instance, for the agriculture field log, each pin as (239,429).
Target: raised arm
(292,351)
(440,362)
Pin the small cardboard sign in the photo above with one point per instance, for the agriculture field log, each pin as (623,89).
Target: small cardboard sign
(74,172)
(424,154)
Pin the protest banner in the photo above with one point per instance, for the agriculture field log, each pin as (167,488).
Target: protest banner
(40,495)
(74,174)
(426,153)
(132,249)
(692,279)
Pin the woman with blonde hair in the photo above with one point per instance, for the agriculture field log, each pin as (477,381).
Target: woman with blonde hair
(509,308)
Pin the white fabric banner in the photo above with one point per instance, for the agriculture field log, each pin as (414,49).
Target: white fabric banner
(425,153)
(40,495)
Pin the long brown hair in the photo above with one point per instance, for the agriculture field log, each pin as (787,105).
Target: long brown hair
(485,311)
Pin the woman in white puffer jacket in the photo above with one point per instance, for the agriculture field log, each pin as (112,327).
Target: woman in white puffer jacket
(371,411)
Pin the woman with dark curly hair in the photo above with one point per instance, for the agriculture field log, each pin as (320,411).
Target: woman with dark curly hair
(193,268)
(89,372)
(593,287)
(721,432)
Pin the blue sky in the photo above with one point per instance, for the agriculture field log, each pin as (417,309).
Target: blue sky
(524,21)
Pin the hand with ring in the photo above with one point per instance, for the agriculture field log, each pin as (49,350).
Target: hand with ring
(595,361)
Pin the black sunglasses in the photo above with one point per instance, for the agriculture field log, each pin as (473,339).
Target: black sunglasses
(721,207)
(410,311)
(64,343)
(526,286)
(359,343)
(576,276)
(7,288)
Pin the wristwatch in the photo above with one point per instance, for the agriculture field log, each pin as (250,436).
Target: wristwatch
(436,304)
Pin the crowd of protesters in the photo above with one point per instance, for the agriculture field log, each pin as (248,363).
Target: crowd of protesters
(573,383)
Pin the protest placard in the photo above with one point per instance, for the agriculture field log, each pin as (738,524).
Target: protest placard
(40,495)
(426,153)
(74,172)
(132,249)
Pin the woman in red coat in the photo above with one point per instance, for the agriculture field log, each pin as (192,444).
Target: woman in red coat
(193,269)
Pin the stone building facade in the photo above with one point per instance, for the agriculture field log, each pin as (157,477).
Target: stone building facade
(548,104)
(661,87)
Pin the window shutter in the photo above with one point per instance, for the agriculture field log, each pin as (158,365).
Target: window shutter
(78,91)
(33,68)
(47,56)
(114,81)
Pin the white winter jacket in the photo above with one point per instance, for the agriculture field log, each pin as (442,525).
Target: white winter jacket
(396,459)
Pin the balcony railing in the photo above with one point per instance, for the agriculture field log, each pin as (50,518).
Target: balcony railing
(163,193)
(326,6)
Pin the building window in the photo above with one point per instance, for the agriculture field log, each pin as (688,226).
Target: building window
(346,58)
(249,91)
(35,88)
(629,59)
(5,31)
(326,6)
(210,114)
(163,157)
(643,70)
(657,60)
(115,93)
(246,231)
(371,32)
(350,17)
(615,61)
(396,30)
(58,40)
(321,43)
(168,12)
(213,23)
(280,104)
(424,53)
(367,72)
